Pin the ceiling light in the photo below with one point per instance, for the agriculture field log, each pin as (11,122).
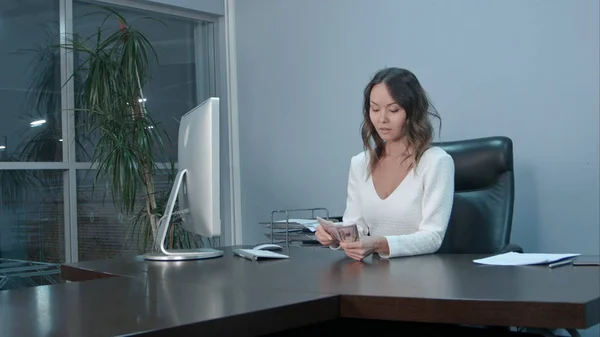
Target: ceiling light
(37,123)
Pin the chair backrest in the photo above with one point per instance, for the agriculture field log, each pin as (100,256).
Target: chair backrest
(482,213)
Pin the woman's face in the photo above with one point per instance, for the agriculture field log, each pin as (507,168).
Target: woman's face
(386,115)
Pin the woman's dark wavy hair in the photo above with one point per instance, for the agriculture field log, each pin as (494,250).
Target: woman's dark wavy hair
(405,89)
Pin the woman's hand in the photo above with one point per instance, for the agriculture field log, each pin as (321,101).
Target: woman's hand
(367,245)
(324,237)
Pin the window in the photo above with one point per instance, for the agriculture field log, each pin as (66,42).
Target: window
(31,200)
(181,72)
(32,215)
(49,212)
(30,100)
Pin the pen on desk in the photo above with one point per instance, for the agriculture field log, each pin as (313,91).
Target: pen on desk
(560,263)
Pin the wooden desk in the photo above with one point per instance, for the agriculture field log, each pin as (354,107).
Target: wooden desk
(231,294)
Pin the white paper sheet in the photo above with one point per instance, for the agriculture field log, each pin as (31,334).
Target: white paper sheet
(522,259)
(307,223)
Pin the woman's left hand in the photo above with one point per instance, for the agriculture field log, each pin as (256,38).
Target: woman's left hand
(359,250)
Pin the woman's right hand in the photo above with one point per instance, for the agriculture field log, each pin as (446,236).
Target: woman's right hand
(325,238)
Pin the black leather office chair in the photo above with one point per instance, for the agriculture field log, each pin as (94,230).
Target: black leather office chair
(482,213)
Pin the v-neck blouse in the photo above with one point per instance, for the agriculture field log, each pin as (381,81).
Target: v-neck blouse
(415,216)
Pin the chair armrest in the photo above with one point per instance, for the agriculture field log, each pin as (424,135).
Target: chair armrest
(511,247)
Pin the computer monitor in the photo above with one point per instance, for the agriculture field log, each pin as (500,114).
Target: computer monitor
(197,184)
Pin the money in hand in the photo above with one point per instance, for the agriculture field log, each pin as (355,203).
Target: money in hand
(329,227)
(347,233)
(340,233)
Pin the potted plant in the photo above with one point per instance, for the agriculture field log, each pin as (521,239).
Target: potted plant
(114,66)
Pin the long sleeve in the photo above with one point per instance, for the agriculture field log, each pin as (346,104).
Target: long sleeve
(438,197)
(353,214)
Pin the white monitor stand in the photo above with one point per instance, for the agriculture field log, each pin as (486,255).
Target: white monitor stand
(176,254)
(197,184)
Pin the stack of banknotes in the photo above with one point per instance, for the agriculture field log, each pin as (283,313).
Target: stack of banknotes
(340,232)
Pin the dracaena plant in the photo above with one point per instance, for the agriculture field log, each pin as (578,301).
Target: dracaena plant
(115,67)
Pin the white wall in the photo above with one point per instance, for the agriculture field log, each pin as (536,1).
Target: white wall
(525,69)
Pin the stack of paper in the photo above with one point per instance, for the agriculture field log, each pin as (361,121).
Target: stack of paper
(292,230)
(297,224)
(522,259)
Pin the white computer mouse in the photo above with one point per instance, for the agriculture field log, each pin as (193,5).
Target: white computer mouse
(268,246)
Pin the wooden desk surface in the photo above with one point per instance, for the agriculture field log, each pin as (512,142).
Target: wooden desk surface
(121,305)
(314,284)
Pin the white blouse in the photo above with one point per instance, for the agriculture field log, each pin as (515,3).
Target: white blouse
(415,216)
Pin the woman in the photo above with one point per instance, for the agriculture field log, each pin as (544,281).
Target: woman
(400,189)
